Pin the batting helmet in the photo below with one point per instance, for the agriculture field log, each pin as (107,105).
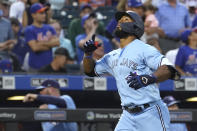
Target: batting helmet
(134,28)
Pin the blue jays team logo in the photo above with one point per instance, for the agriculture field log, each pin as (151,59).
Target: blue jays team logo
(124,62)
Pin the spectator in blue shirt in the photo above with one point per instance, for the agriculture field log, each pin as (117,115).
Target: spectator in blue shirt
(173,17)
(90,25)
(51,98)
(172,105)
(41,38)
(20,48)
(186,59)
(75,27)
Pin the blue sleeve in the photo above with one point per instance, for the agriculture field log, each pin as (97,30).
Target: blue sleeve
(29,35)
(78,38)
(69,102)
(59,102)
(102,66)
(194,23)
(187,19)
(152,57)
(180,60)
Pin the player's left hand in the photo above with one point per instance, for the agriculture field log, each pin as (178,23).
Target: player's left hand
(139,81)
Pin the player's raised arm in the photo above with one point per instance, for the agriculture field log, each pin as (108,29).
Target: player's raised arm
(88,62)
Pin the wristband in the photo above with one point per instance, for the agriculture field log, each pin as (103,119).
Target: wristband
(155,78)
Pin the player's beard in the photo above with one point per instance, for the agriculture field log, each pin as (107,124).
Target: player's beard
(120,33)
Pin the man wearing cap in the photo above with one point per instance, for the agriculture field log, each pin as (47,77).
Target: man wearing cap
(90,24)
(172,105)
(137,67)
(130,5)
(51,99)
(58,64)
(75,27)
(40,38)
(186,59)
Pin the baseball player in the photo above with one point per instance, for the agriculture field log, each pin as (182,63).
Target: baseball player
(137,67)
(51,99)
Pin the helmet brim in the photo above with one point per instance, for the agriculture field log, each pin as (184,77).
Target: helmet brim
(120,14)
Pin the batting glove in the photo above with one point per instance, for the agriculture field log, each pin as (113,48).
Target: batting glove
(139,81)
(91,45)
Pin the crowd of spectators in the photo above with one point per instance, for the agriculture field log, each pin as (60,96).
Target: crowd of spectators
(33,41)
(31,38)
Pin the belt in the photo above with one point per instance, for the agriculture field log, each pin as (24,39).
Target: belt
(136,109)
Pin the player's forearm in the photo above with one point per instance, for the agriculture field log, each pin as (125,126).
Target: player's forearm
(162,73)
(59,102)
(88,64)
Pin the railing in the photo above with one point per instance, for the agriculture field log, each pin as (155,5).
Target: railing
(80,115)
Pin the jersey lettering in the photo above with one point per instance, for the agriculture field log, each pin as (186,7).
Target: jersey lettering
(129,63)
(114,63)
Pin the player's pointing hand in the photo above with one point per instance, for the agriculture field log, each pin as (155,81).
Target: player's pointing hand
(91,45)
(139,81)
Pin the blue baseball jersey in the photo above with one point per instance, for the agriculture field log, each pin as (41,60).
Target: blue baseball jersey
(186,59)
(61,126)
(42,58)
(136,57)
